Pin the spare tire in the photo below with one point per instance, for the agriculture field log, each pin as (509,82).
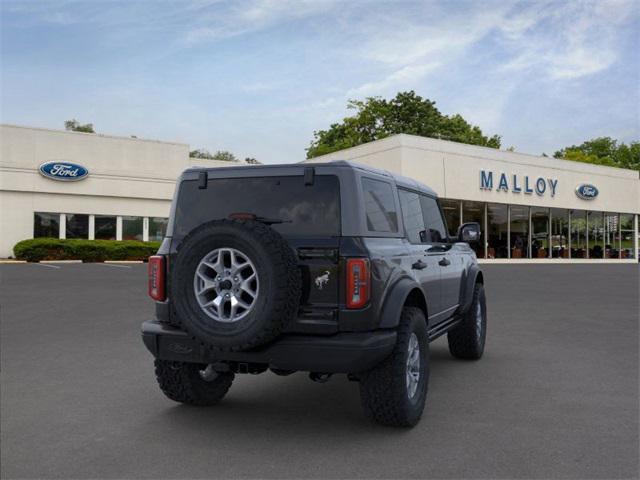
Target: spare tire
(234,284)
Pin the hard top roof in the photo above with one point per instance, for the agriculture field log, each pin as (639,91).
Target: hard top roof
(399,179)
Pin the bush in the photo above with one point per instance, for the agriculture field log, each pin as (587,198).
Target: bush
(37,249)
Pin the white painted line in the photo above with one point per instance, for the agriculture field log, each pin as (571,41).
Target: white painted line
(46,265)
(60,261)
(113,265)
(124,261)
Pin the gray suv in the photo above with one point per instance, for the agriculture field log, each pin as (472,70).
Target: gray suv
(324,268)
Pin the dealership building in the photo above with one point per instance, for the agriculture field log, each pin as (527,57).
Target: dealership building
(531,209)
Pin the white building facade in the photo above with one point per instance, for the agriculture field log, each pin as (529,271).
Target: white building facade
(531,208)
(126,193)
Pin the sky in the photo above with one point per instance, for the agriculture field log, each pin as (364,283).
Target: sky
(258,77)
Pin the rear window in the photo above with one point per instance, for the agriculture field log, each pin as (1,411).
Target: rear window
(304,210)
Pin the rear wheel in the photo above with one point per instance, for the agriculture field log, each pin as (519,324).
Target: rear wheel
(192,383)
(466,340)
(394,392)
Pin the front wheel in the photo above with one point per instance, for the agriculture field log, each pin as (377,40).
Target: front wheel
(466,340)
(192,383)
(394,392)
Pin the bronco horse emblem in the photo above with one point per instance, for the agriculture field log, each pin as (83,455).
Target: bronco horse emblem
(322,280)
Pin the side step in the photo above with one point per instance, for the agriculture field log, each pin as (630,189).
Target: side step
(442,328)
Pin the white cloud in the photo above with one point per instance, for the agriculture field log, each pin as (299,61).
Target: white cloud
(405,77)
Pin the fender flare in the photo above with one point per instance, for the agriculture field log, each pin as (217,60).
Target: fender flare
(473,275)
(396,299)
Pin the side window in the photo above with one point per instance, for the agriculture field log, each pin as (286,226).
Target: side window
(436,232)
(380,208)
(412,215)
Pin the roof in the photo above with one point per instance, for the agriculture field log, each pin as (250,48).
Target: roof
(398,179)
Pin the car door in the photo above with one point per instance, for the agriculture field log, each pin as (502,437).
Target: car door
(446,255)
(424,267)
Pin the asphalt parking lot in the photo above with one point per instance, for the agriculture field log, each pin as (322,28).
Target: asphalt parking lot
(556,395)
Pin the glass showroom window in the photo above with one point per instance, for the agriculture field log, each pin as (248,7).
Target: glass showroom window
(626,237)
(578,234)
(451,210)
(46,225)
(611,235)
(77,226)
(105,227)
(519,231)
(559,233)
(595,238)
(474,212)
(539,232)
(132,228)
(497,231)
(157,228)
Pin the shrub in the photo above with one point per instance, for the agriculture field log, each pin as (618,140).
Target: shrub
(37,249)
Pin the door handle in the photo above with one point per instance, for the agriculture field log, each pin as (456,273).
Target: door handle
(444,262)
(419,265)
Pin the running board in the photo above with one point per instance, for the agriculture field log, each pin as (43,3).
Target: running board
(443,327)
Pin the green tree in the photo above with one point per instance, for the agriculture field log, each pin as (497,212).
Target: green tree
(604,151)
(222,155)
(377,118)
(74,126)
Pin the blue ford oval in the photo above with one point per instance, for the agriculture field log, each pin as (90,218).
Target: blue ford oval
(63,171)
(586,191)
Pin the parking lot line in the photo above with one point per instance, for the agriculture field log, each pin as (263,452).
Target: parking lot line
(46,265)
(114,265)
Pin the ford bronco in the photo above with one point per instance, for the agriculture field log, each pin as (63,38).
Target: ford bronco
(325,268)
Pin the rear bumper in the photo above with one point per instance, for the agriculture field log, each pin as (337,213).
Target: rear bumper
(339,353)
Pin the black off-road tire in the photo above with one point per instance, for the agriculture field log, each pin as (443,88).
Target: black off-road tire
(383,390)
(280,284)
(467,339)
(183,383)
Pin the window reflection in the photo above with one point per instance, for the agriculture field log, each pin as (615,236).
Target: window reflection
(626,236)
(132,228)
(578,234)
(539,232)
(611,235)
(451,210)
(105,227)
(596,235)
(497,231)
(559,233)
(46,225)
(77,226)
(474,212)
(519,231)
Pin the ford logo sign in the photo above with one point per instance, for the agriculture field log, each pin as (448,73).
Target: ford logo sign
(63,171)
(586,191)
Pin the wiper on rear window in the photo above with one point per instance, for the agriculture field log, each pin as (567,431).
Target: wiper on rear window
(256,218)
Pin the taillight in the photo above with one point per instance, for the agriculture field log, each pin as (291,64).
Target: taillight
(156,278)
(358,282)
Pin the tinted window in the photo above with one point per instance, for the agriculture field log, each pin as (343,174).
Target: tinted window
(77,226)
(132,228)
(380,208)
(412,215)
(433,220)
(303,210)
(105,227)
(46,225)
(157,228)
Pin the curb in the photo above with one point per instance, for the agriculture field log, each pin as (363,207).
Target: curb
(9,261)
(123,261)
(60,261)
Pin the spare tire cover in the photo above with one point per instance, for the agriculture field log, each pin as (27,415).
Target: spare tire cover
(234,284)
